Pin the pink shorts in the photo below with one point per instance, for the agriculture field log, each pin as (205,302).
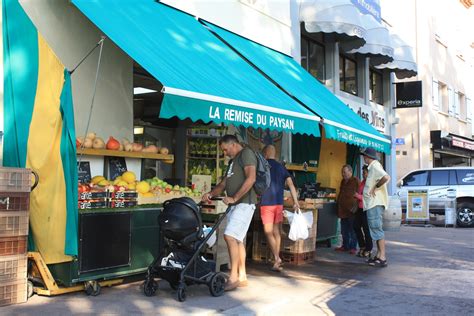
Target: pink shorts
(271,214)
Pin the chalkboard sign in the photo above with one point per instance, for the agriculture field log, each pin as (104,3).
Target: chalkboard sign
(84,172)
(117,166)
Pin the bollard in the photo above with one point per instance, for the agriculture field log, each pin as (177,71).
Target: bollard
(450,208)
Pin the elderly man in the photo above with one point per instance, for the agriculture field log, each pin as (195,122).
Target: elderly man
(346,207)
(375,202)
(238,184)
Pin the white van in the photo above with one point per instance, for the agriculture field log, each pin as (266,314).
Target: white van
(437,181)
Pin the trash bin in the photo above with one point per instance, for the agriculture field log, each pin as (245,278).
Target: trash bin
(450,208)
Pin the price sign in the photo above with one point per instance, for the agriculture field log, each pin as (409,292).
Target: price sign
(117,166)
(84,172)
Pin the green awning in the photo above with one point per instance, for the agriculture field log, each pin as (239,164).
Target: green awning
(340,122)
(203,78)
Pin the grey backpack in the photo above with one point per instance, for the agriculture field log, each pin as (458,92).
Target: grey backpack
(263,178)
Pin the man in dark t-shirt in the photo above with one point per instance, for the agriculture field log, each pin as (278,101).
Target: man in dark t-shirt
(271,206)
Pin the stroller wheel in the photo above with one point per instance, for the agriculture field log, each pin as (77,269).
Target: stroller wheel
(181,293)
(217,284)
(149,287)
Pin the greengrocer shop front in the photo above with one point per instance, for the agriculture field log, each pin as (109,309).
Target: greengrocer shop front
(209,82)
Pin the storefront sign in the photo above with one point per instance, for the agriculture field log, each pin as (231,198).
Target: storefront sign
(371,7)
(462,143)
(375,117)
(409,95)
(418,205)
(250,118)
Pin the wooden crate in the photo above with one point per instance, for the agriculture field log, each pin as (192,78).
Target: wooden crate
(13,292)
(297,258)
(13,245)
(15,180)
(313,203)
(13,267)
(13,224)
(215,207)
(15,201)
(299,246)
(260,249)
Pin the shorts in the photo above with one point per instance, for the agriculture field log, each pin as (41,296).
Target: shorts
(375,220)
(271,214)
(238,220)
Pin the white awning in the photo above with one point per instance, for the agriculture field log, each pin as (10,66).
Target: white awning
(378,43)
(403,64)
(334,16)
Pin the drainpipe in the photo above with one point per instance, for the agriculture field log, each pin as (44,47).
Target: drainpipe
(420,142)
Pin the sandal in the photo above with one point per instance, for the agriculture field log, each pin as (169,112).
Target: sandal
(371,261)
(360,253)
(277,268)
(380,263)
(366,254)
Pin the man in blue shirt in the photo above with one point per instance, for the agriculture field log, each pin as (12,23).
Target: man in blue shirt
(271,205)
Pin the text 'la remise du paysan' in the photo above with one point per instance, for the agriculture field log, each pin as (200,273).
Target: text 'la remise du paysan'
(245,117)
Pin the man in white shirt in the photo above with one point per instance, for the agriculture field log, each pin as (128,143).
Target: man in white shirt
(375,198)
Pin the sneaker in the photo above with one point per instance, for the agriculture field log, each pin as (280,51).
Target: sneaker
(340,249)
(352,251)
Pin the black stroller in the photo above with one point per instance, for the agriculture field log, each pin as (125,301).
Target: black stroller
(181,263)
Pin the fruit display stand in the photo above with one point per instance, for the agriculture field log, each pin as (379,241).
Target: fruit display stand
(203,155)
(113,243)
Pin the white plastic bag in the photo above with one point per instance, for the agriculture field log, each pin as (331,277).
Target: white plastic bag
(298,227)
(307,215)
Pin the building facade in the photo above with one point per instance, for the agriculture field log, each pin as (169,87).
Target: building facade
(439,134)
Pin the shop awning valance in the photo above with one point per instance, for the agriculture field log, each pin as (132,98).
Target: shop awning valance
(403,64)
(340,122)
(203,78)
(339,17)
(378,42)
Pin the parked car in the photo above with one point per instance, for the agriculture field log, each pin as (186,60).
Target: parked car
(437,181)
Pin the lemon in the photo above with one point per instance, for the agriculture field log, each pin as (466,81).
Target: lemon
(142,187)
(97,179)
(121,183)
(131,186)
(148,194)
(129,176)
(117,180)
(103,183)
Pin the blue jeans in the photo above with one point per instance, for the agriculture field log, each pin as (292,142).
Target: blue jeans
(349,238)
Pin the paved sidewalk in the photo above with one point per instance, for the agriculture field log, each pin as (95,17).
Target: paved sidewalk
(430,272)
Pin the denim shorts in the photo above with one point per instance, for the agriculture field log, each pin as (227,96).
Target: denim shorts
(375,220)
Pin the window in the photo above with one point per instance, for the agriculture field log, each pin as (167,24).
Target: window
(436,96)
(348,75)
(443,97)
(451,98)
(457,104)
(465,176)
(313,58)
(375,89)
(416,179)
(469,110)
(461,110)
(439,177)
